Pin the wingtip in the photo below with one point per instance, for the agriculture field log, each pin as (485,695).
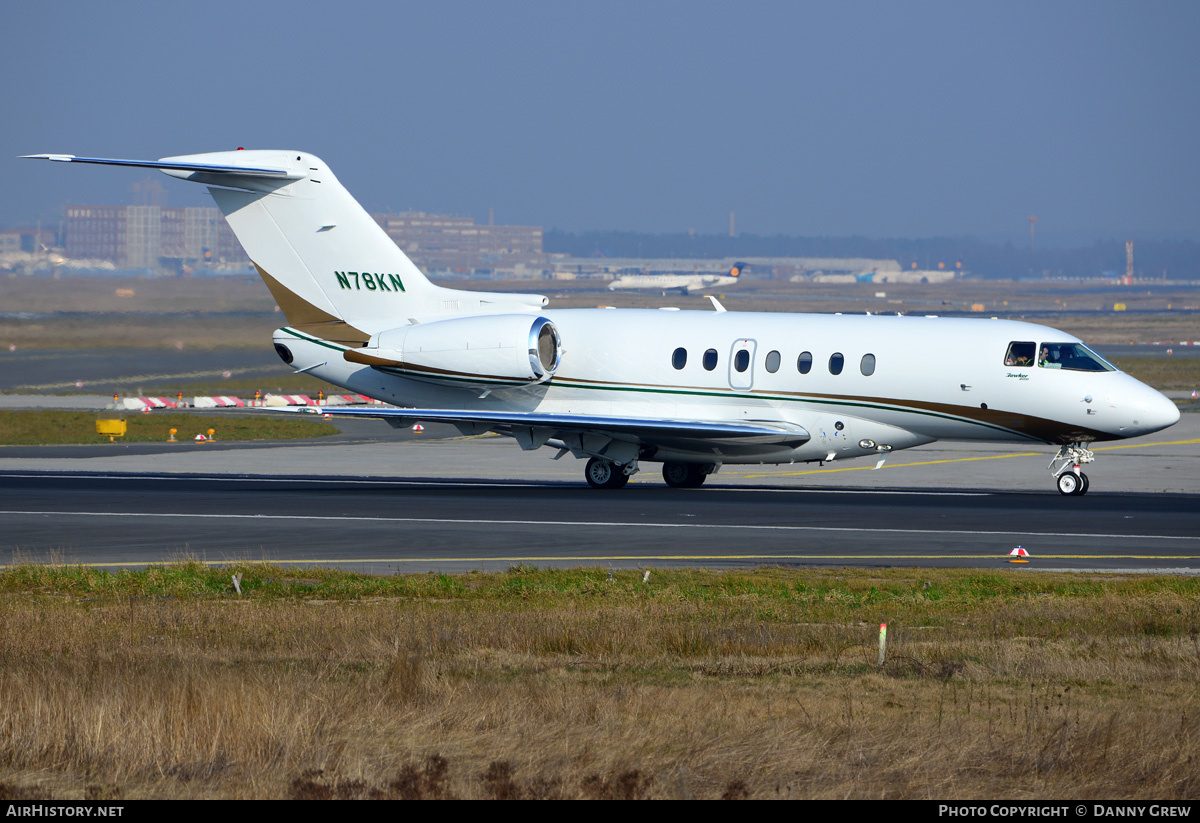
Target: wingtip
(62,158)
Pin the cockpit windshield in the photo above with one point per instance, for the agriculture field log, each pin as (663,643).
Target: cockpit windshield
(1072,357)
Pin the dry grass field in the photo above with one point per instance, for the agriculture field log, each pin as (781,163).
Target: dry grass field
(581,684)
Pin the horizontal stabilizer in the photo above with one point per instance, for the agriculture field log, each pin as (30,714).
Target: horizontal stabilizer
(169,164)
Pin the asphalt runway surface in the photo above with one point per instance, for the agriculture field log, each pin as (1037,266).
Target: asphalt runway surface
(385,502)
(109,370)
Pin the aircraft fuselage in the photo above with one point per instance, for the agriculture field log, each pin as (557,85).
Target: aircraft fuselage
(929,379)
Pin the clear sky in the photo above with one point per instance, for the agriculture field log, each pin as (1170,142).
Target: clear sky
(811,118)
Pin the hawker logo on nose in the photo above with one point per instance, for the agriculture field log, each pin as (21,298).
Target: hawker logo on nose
(366,280)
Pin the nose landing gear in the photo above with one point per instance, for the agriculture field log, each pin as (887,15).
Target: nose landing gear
(1068,477)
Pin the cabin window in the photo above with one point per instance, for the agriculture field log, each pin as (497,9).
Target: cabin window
(836,361)
(679,358)
(773,362)
(1072,357)
(1020,354)
(804,362)
(741,360)
(867,366)
(710,360)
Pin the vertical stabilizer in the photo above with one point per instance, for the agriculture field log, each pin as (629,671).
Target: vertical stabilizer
(331,268)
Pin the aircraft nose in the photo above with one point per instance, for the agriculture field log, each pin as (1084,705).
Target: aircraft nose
(1157,413)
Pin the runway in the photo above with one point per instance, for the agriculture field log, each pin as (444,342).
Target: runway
(455,504)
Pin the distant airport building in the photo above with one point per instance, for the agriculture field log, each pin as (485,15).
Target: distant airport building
(167,240)
(891,276)
(444,243)
(156,238)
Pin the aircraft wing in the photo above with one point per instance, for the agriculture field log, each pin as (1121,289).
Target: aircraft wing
(594,434)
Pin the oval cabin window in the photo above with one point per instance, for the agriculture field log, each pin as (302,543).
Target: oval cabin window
(867,366)
(679,358)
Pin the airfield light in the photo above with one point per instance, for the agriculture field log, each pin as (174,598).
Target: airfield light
(171,436)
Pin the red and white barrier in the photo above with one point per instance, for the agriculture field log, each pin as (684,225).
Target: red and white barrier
(218,402)
(288,400)
(227,401)
(142,403)
(346,400)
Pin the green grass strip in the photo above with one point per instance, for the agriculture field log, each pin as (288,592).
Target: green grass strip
(54,427)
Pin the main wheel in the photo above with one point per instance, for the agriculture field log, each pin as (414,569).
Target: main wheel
(1084,485)
(684,475)
(604,474)
(1071,483)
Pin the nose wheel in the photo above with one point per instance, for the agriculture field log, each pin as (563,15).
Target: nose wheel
(1070,480)
(1073,484)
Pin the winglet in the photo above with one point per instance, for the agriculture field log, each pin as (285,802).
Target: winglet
(716,303)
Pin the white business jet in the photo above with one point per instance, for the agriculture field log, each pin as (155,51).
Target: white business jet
(692,390)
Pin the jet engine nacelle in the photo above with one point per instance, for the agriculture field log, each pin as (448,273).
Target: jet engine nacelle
(505,347)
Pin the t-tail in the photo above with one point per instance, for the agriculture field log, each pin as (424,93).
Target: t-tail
(331,268)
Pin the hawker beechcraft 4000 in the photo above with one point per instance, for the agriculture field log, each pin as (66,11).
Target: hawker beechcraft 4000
(692,390)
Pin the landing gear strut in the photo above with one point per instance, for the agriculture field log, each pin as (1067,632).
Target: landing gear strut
(1068,477)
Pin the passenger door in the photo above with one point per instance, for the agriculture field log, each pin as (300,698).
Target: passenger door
(741,364)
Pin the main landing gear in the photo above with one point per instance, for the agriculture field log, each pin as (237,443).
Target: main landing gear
(605,474)
(1068,477)
(685,475)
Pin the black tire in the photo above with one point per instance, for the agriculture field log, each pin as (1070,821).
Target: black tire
(604,474)
(676,474)
(684,475)
(1086,484)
